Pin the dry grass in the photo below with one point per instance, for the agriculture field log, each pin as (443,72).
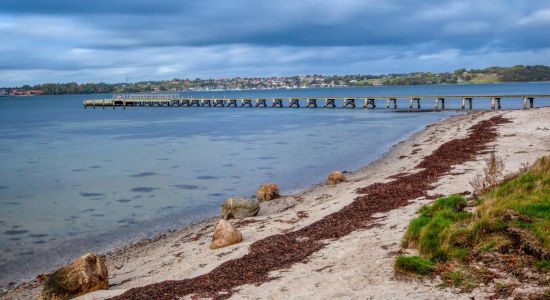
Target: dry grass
(492,175)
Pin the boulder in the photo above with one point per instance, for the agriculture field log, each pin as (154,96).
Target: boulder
(239,207)
(268,191)
(86,274)
(225,234)
(335,178)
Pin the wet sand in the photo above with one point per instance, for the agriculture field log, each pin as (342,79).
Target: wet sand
(352,256)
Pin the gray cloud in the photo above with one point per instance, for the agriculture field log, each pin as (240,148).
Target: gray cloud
(92,40)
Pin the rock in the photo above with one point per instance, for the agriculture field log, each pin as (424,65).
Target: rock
(239,207)
(225,234)
(268,191)
(335,178)
(86,274)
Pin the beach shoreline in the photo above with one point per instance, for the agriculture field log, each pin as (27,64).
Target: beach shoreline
(184,253)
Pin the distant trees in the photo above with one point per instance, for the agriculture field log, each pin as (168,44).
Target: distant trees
(492,74)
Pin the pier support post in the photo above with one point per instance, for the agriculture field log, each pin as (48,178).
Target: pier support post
(232,103)
(206,103)
(411,102)
(370,101)
(524,102)
(261,103)
(495,102)
(442,100)
(312,102)
(531,102)
(277,102)
(349,102)
(294,102)
(330,103)
(394,103)
(246,102)
(463,106)
(219,102)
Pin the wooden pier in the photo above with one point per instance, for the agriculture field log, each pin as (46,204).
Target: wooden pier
(414,102)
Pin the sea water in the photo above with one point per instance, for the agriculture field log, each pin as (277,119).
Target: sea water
(75,180)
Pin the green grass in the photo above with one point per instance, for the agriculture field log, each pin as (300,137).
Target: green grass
(527,197)
(543,264)
(415,264)
(443,232)
(437,232)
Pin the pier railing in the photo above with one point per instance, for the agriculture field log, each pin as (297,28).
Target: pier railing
(174,100)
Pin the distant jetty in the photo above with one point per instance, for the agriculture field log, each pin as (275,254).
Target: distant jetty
(174,100)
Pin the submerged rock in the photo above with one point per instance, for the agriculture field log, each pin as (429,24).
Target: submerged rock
(335,178)
(225,234)
(239,207)
(86,274)
(268,191)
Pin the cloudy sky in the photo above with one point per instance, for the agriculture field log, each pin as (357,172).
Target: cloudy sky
(111,40)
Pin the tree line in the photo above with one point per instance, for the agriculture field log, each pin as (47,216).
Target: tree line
(518,73)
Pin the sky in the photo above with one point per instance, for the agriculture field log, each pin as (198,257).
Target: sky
(138,40)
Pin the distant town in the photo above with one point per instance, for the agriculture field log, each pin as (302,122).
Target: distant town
(461,76)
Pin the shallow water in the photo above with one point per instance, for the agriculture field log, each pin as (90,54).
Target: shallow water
(75,180)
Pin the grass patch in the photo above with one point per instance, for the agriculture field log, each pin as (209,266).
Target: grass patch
(437,232)
(523,201)
(543,264)
(415,265)
(511,215)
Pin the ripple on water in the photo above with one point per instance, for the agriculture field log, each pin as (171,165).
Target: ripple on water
(15,231)
(207,177)
(186,186)
(91,194)
(267,157)
(123,200)
(143,189)
(216,194)
(38,235)
(144,174)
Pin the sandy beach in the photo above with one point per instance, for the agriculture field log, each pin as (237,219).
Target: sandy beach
(358,265)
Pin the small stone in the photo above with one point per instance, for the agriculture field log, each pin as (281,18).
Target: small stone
(225,234)
(268,191)
(86,274)
(239,207)
(335,178)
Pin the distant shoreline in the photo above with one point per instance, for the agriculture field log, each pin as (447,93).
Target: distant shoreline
(515,74)
(286,89)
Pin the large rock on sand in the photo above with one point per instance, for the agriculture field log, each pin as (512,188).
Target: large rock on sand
(239,207)
(86,274)
(268,191)
(225,234)
(335,178)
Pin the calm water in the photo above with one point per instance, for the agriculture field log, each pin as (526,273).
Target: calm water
(75,180)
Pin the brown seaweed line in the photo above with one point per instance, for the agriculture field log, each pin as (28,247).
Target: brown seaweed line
(283,250)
